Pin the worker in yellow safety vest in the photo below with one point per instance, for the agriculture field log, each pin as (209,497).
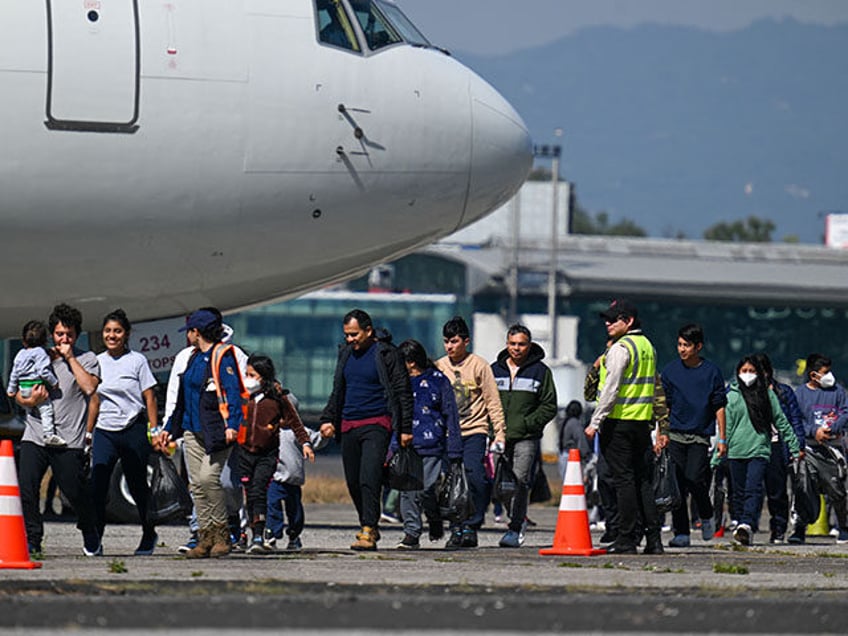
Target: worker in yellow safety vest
(625,419)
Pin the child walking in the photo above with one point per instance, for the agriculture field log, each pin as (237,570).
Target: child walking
(31,367)
(268,411)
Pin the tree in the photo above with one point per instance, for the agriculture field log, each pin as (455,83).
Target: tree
(751,230)
(584,223)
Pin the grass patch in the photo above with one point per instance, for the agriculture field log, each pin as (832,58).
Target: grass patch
(729,568)
(116,566)
(832,555)
(828,575)
(197,573)
(322,489)
(566,564)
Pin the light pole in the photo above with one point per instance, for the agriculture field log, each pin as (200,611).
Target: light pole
(554,152)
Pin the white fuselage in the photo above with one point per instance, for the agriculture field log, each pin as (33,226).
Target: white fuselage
(181,153)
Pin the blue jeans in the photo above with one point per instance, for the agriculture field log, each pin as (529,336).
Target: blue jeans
(289,496)
(747,477)
(473,453)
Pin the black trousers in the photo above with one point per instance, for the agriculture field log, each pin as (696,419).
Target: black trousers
(363,455)
(626,446)
(68,466)
(692,468)
(257,469)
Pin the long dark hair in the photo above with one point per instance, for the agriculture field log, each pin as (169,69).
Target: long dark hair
(264,366)
(756,396)
(414,351)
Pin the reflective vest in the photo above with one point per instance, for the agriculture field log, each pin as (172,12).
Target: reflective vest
(216,358)
(635,399)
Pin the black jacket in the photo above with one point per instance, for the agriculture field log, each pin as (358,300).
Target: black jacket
(393,377)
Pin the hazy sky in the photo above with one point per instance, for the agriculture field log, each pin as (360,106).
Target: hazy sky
(499,26)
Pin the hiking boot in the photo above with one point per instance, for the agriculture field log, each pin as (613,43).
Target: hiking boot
(707,529)
(221,541)
(147,544)
(365,540)
(742,534)
(408,543)
(188,545)
(511,539)
(205,540)
(469,538)
(679,541)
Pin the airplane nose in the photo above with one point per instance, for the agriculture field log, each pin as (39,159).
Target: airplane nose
(501,155)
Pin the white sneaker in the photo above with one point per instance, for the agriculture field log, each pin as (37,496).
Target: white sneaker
(54,440)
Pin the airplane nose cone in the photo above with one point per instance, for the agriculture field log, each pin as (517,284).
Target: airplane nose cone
(501,155)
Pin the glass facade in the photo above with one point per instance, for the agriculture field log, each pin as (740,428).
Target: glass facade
(302,336)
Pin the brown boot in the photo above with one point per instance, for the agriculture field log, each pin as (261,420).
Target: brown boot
(204,545)
(222,545)
(366,539)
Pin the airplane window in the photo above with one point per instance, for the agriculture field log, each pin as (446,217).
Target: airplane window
(404,26)
(334,26)
(378,31)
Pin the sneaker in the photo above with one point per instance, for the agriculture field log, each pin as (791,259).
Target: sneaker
(147,544)
(511,539)
(96,552)
(469,538)
(191,544)
(437,530)
(257,546)
(408,543)
(388,517)
(777,537)
(54,440)
(269,541)
(455,540)
(499,518)
(842,537)
(679,541)
(707,529)
(798,536)
(742,534)
(294,544)
(239,543)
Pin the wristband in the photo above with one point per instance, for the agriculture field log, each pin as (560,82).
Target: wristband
(722,441)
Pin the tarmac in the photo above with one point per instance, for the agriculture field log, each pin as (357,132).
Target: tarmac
(713,586)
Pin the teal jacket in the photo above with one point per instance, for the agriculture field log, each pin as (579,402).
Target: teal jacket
(529,400)
(743,441)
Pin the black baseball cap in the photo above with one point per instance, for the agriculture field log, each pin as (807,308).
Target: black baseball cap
(619,307)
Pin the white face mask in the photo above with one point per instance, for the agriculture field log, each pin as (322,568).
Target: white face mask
(252,385)
(827,380)
(748,378)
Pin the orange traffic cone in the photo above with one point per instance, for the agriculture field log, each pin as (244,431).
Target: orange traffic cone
(13,547)
(572,536)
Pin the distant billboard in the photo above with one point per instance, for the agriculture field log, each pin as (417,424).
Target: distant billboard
(836,230)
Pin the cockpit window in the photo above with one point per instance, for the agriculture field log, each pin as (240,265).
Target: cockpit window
(379,32)
(404,26)
(334,26)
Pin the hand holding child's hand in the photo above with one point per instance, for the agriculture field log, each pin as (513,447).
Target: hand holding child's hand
(308,453)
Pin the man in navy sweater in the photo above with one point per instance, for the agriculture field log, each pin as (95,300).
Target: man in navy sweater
(695,392)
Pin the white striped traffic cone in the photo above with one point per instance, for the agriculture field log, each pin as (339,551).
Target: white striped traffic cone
(14,553)
(572,536)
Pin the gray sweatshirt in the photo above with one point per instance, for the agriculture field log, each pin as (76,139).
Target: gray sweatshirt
(290,462)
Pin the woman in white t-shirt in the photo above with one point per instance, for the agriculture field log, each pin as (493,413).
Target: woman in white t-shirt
(119,413)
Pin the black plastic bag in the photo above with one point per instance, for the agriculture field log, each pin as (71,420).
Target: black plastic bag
(455,503)
(540,491)
(406,470)
(806,501)
(169,496)
(505,487)
(666,490)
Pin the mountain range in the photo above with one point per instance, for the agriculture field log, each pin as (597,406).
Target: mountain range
(677,128)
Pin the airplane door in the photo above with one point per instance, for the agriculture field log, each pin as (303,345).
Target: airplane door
(93,65)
